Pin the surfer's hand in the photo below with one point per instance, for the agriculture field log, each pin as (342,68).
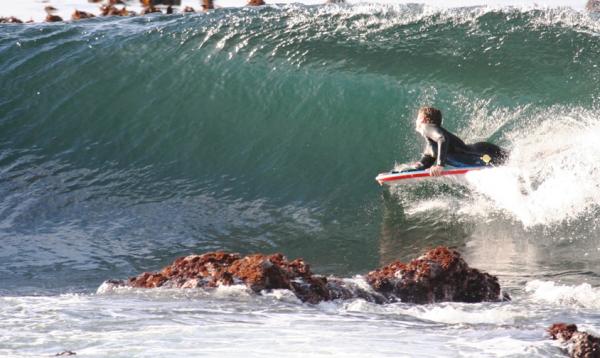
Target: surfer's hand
(436,170)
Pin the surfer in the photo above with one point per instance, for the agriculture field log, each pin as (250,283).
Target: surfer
(444,148)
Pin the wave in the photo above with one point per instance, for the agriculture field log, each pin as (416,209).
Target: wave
(255,129)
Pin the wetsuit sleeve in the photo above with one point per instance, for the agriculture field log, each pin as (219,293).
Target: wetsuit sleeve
(425,162)
(428,157)
(435,134)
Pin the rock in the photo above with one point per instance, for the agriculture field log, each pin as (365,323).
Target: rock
(208,5)
(150,9)
(160,2)
(80,15)
(111,10)
(53,18)
(439,275)
(256,3)
(10,20)
(66,353)
(593,6)
(579,344)
(258,272)
(188,9)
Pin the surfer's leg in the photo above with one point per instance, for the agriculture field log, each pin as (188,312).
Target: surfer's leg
(498,155)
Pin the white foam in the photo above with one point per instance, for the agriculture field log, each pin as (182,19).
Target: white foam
(552,175)
(448,313)
(457,313)
(583,295)
(34,9)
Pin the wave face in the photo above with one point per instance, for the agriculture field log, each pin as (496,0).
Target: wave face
(126,142)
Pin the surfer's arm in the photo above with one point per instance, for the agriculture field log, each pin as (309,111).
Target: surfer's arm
(435,134)
(425,162)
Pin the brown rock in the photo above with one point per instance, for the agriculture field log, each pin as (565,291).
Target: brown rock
(258,272)
(593,5)
(188,9)
(111,10)
(10,20)
(208,5)
(256,3)
(439,275)
(150,9)
(579,344)
(80,15)
(53,18)
(160,2)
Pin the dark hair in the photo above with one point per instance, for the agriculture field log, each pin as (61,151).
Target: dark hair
(433,115)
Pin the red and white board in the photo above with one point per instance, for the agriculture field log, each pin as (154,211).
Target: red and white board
(393,178)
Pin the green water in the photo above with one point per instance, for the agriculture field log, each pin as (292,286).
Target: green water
(127,142)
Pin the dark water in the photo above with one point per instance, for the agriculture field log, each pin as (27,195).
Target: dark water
(125,143)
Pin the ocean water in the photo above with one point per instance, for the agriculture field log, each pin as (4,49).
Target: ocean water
(128,142)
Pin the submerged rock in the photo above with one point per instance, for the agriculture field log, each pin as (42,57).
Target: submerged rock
(439,275)
(579,344)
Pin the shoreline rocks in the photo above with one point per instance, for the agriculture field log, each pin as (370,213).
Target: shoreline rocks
(578,344)
(439,275)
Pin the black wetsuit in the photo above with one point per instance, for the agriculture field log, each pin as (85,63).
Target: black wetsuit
(444,148)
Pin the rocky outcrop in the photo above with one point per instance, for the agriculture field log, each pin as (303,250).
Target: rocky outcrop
(208,5)
(439,275)
(10,20)
(256,3)
(578,344)
(593,6)
(111,10)
(258,272)
(53,18)
(80,15)
(150,9)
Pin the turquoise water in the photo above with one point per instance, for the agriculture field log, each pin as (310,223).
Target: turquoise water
(125,143)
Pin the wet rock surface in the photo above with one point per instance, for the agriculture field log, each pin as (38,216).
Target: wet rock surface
(578,344)
(439,275)
(10,20)
(80,15)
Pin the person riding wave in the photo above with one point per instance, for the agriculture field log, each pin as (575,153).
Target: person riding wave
(444,148)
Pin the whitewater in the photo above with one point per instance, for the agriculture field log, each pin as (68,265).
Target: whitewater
(128,142)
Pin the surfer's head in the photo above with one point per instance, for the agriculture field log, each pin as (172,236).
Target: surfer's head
(429,115)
